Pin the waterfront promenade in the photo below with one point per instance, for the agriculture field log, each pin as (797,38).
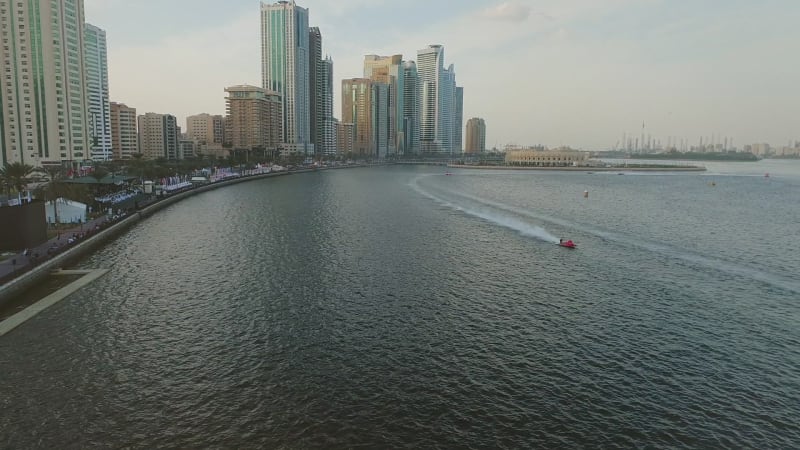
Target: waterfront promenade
(21,262)
(16,278)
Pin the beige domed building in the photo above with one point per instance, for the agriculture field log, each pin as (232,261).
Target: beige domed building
(546,158)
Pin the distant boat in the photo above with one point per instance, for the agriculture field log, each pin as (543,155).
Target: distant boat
(567,244)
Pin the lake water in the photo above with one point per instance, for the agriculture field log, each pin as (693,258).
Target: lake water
(402,307)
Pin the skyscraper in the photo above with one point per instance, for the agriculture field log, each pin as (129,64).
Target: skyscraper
(380,117)
(476,136)
(284,69)
(411,97)
(438,100)
(458,146)
(314,60)
(124,139)
(357,110)
(43,98)
(447,108)
(97,90)
(389,70)
(323,128)
(327,124)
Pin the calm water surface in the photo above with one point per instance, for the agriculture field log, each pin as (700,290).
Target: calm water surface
(399,307)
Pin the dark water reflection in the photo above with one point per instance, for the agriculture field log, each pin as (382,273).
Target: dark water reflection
(400,308)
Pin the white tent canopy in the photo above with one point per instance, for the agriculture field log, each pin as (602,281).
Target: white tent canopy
(69,211)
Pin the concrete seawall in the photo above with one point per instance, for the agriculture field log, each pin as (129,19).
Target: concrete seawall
(28,280)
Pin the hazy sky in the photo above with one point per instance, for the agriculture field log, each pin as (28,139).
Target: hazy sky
(552,72)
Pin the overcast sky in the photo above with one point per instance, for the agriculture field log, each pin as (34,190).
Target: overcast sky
(552,72)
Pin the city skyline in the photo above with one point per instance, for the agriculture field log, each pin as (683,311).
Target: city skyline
(573,72)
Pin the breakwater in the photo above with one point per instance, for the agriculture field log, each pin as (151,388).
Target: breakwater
(588,169)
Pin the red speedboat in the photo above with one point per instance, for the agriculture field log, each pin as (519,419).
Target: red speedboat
(567,244)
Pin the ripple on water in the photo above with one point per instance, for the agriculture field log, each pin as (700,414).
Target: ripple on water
(346,309)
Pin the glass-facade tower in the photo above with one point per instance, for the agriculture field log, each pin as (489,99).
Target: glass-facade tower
(97,90)
(285,70)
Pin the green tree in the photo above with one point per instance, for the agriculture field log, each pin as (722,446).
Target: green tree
(55,188)
(16,175)
(99,173)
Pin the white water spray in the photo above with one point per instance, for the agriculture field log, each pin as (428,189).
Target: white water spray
(505,221)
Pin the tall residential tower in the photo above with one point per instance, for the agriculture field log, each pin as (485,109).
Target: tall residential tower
(438,103)
(97,88)
(389,70)
(476,136)
(124,138)
(411,97)
(323,127)
(284,69)
(43,97)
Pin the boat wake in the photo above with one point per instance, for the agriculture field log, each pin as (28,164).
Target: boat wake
(481,205)
(491,216)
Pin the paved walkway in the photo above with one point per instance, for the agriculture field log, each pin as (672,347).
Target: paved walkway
(39,254)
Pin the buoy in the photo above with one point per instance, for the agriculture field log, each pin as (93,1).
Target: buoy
(585,194)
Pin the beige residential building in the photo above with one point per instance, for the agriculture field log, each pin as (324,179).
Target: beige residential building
(124,139)
(253,118)
(159,136)
(44,103)
(389,70)
(476,136)
(357,110)
(206,129)
(345,138)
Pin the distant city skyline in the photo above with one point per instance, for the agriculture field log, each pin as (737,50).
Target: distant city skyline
(568,72)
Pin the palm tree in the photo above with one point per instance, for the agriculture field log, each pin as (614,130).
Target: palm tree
(55,187)
(16,175)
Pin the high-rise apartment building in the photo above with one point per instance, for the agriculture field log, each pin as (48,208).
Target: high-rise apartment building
(326,129)
(380,109)
(411,97)
(458,146)
(253,119)
(43,97)
(97,89)
(438,99)
(314,60)
(321,81)
(206,129)
(389,70)
(357,110)
(124,139)
(345,138)
(159,136)
(476,136)
(285,70)
(447,108)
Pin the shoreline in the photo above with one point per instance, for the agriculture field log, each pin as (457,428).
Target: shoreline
(19,285)
(585,169)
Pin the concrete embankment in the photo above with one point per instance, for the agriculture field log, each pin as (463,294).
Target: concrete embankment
(28,280)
